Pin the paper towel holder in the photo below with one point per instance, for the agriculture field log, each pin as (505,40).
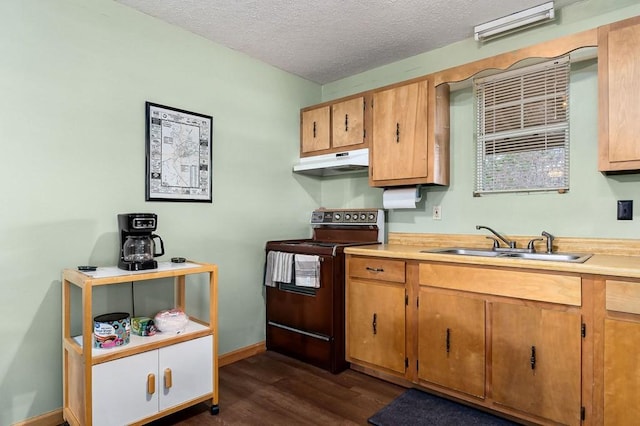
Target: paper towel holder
(418,193)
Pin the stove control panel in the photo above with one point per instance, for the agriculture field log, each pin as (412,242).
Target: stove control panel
(348,217)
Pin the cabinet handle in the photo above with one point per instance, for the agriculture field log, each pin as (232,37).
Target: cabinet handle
(533,358)
(346,122)
(448,342)
(151,384)
(397,132)
(167,378)
(369,268)
(314,129)
(374,324)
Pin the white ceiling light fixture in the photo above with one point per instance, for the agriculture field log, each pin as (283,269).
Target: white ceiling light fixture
(516,21)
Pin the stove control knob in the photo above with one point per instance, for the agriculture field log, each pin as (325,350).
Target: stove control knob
(363,216)
(336,217)
(347,216)
(372,216)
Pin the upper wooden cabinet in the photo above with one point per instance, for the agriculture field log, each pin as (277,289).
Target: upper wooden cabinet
(315,126)
(410,143)
(618,88)
(347,123)
(333,127)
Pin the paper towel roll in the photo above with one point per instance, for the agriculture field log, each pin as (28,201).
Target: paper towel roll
(400,198)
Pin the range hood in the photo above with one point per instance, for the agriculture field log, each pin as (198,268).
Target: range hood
(334,164)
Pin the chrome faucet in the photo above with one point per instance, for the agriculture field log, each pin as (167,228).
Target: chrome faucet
(511,244)
(549,238)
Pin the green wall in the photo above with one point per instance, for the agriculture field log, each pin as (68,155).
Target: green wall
(587,210)
(74,78)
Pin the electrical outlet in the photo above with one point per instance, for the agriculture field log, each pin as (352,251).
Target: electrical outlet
(437,213)
(625,209)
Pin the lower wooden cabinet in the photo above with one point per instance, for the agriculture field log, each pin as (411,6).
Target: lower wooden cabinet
(540,346)
(621,372)
(504,339)
(376,313)
(451,341)
(622,353)
(376,324)
(129,389)
(536,361)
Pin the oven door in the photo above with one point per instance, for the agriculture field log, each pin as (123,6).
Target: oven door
(310,325)
(309,310)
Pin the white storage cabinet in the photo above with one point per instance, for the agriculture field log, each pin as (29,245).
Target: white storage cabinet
(150,377)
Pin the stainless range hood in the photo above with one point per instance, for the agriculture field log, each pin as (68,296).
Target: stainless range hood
(334,164)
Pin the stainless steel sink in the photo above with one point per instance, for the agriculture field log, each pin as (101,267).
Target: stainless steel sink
(505,253)
(465,251)
(556,257)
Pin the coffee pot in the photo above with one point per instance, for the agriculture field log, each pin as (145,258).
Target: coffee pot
(141,248)
(137,247)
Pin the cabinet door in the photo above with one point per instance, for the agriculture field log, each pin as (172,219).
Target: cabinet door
(186,371)
(376,323)
(619,74)
(535,362)
(621,372)
(122,391)
(315,130)
(451,347)
(347,119)
(400,117)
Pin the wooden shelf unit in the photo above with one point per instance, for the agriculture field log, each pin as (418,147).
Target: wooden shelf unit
(79,362)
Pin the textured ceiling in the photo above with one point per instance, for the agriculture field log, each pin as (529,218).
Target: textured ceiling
(327,40)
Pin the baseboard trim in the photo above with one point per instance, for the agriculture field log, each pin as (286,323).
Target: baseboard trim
(242,353)
(54,418)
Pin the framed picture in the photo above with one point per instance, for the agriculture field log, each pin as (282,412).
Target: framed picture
(179,155)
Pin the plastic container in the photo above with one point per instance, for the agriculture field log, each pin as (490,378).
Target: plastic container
(111,330)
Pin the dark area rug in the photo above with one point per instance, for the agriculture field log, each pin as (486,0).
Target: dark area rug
(416,408)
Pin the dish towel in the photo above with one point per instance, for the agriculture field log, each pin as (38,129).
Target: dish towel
(307,270)
(279,268)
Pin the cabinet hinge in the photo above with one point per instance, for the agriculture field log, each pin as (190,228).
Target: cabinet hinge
(417,302)
(417,365)
(583,330)
(582,413)
(406,363)
(406,300)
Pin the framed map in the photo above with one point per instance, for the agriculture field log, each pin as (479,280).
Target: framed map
(179,155)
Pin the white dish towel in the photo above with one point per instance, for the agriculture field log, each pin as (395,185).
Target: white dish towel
(279,268)
(307,270)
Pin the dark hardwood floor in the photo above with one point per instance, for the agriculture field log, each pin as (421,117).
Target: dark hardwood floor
(272,389)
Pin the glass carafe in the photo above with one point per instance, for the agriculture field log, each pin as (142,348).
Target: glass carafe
(140,248)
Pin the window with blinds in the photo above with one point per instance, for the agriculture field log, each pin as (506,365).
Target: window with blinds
(522,124)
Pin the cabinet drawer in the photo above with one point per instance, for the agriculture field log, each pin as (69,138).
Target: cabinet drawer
(377,269)
(623,296)
(563,289)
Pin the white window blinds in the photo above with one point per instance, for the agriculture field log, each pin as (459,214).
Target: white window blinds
(523,129)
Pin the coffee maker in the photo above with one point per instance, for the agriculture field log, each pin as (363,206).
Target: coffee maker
(137,248)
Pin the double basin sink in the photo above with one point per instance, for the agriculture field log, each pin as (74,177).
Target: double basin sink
(514,253)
